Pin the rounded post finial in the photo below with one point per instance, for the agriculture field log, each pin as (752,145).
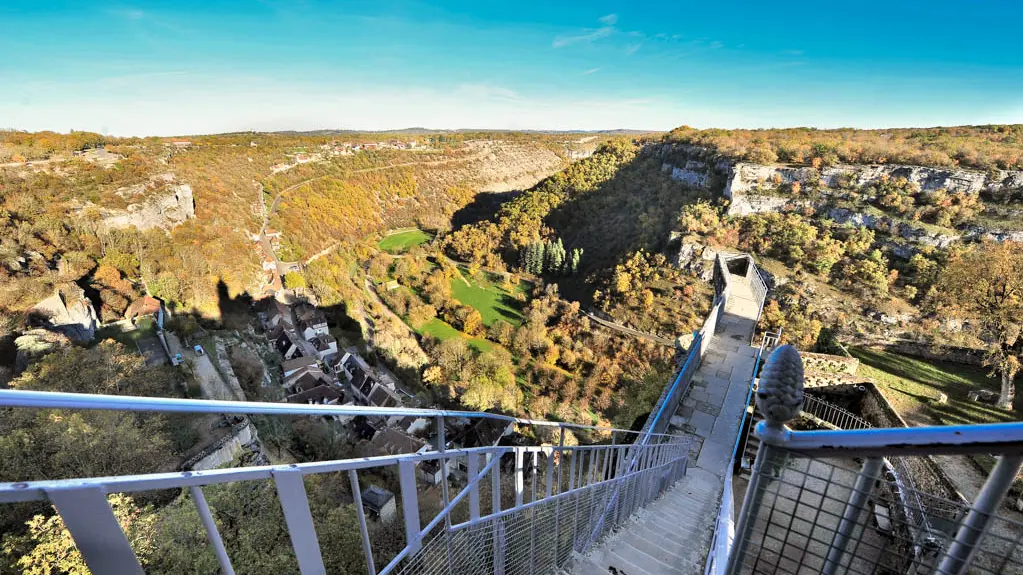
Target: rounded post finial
(780,393)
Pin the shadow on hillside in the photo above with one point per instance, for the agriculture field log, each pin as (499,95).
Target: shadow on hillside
(635,209)
(484,206)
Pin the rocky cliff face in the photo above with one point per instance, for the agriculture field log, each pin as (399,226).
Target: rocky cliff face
(173,205)
(162,202)
(751,189)
(750,177)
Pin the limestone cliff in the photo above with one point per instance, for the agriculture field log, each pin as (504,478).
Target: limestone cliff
(745,178)
(161,202)
(756,188)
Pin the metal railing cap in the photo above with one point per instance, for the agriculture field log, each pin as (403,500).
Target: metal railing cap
(63,400)
(996,438)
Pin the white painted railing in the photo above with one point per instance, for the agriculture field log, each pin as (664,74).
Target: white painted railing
(562,504)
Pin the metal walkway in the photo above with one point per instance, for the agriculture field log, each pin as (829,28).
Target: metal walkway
(673,535)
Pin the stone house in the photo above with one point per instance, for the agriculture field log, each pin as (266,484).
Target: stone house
(379,502)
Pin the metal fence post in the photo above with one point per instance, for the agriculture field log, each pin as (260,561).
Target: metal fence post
(211,530)
(519,479)
(472,464)
(367,548)
(779,397)
(410,504)
(750,505)
(95,530)
(853,509)
(298,518)
(974,526)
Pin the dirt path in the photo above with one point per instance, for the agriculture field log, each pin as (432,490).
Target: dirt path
(629,331)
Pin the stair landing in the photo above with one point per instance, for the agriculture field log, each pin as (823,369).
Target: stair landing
(672,535)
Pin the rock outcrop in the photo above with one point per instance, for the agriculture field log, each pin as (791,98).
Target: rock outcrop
(68,312)
(758,188)
(165,209)
(745,177)
(34,344)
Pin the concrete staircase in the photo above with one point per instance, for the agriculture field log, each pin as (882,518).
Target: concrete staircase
(672,535)
(658,539)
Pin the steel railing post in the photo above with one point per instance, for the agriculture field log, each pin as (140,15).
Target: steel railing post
(211,530)
(299,520)
(410,504)
(750,506)
(975,525)
(520,485)
(532,516)
(557,502)
(95,530)
(367,548)
(851,515)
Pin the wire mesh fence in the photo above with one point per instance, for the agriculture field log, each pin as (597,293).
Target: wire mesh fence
(544,533)
(832,414)
(833,516)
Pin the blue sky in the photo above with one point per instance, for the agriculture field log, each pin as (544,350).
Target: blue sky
(145,68)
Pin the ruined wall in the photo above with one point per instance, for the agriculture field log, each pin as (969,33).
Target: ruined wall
(938,352)
(222,451)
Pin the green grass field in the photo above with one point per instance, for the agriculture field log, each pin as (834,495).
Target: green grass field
(911,385)
(444,331)
(402,241)
(144,328)
(489,298)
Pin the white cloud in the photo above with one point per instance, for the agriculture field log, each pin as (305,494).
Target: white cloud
(591,36)
(202,105)
(590,71)
(632,49)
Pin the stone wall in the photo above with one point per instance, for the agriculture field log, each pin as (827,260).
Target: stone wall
(223,450)
(938,352)
(224,366)
(824,362)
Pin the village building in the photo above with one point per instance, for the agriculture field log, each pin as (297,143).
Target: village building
(147,305)
(379,502)
(297,364)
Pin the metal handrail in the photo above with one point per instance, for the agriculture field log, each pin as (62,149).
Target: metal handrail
(873,446)
(724,526)
(832,414)
(63,400)
(997,438)
(83,506)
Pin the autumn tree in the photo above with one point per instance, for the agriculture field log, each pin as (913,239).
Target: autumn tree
(294,280)
(985,285)
(47,547)
(53,444)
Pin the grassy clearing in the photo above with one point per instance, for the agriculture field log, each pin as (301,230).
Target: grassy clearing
(489,298)
(912,384)
(402,241)
(144,327)
(444,331)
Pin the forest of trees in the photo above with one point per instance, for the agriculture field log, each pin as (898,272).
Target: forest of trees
(978,147)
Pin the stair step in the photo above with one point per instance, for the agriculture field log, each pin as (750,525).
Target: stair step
(631,561)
